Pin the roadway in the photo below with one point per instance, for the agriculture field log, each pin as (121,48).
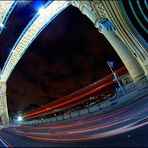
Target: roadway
(124,127)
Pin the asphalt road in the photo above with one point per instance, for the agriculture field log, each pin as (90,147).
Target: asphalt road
(125,127)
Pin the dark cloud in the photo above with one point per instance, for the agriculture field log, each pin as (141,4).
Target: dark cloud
(69,54)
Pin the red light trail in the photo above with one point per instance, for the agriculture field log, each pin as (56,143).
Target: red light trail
(69,101)
(72,98)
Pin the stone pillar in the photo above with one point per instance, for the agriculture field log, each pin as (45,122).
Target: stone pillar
(99,18)
(3,104)
(132,65)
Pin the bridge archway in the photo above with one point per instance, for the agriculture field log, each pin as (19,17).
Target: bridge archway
(98,13)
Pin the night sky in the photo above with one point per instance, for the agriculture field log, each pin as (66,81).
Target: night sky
(68,54)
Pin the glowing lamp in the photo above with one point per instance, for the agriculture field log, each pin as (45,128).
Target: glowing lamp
(41,11)
(19,118)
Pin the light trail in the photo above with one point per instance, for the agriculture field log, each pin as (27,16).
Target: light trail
(98,136)
(83,130)
(92,86)
(92,128)
(135,116)
(69,101)
(76,124)
(5,143)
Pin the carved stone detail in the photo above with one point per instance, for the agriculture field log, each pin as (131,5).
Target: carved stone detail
(95,7)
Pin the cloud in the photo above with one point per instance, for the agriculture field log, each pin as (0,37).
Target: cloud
(68,55)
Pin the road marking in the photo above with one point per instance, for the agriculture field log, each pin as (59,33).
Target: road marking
(5,143)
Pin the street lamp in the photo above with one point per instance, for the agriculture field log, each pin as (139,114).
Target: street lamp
(19,118)
(116,77)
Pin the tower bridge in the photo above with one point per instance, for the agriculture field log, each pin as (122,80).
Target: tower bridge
(109,17)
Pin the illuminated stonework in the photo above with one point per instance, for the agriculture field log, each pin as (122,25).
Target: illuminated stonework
(132,39)
(106,16)
(32,30)
(3,104)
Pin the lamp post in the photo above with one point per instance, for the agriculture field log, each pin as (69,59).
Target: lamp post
(116,77)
